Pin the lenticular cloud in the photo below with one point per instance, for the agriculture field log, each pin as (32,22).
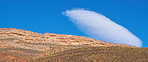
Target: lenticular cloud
(101,27)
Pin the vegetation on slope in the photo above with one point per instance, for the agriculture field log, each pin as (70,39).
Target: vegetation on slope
(99,54)
(21,46)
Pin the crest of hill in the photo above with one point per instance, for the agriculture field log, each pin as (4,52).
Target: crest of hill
(20,36)
(23,44)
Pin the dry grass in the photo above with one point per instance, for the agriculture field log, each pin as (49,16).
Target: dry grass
(99,54)
(70,53)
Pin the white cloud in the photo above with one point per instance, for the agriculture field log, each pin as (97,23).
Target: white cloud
(101,28)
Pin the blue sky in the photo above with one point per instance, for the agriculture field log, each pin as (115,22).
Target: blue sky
(45,15)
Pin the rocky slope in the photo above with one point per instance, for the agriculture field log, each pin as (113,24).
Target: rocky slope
(98,54)
(26,44)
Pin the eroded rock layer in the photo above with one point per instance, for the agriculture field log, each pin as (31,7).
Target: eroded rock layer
(10,37)
(21,45)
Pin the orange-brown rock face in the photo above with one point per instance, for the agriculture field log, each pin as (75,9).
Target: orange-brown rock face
(21,45)
(10,37)
(10,58)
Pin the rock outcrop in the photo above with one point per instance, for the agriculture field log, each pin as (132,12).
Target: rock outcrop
(22,45)
(10,37)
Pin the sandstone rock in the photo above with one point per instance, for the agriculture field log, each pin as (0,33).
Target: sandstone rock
(32,40)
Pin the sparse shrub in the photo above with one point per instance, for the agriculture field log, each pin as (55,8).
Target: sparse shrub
(100,54)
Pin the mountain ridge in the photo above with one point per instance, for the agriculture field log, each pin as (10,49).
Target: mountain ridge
(27,45)
(34,37)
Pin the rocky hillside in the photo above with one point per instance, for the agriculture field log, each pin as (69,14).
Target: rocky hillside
(98,54)
(17,43)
